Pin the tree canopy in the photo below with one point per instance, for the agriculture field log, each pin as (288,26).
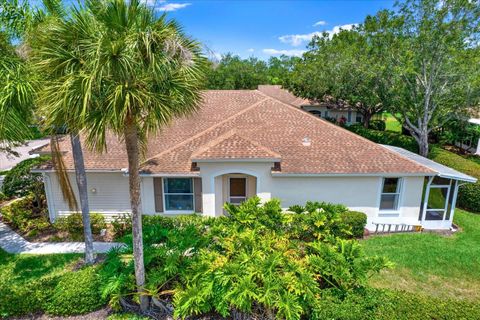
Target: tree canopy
(419,62)
(235,73)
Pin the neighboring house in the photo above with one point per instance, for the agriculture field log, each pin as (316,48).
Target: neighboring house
(323,109)
(474,147)
(8,160)
(244,143)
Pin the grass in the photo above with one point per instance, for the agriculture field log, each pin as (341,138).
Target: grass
(466,164)
(432,264)
(20,269)
(391,123)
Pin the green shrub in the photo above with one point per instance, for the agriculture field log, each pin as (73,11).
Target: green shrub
(386,137)
(121,225)
(379,125)
(76,293)
(17,300)
(20,181)
(2,196)
(255,260)
(73,224)
(469,197)
(24,216)
(355,221)
(378,304)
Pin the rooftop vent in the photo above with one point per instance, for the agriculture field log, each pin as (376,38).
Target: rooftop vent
(306,142)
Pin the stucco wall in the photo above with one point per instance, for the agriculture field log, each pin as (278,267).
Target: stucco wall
(111,193)
(357,193)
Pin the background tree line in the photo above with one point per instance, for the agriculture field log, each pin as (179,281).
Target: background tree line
(232,72)
(420,62)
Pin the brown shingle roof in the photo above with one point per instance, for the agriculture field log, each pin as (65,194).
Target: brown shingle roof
(263,126)
(232,146)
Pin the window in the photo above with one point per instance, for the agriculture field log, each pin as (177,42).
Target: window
(390,194)
(238,190)
(326,113)
(316,112)
(358,118)
(349,116)
(178,194)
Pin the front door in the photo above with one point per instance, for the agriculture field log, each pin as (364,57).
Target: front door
(237,190)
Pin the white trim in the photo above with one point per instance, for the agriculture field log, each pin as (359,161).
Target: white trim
(47,184)
(171,175)
(454,201)
(229,197)
(379,174)
(238,160)
(399,193)
(71,170)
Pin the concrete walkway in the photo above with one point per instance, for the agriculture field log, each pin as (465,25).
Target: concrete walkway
(12,242)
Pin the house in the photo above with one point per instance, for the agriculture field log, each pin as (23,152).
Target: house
(17,154)
(322,109)
(243,143)
(474,146)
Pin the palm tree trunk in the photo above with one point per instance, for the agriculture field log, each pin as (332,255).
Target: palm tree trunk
(131,143)
(81,177)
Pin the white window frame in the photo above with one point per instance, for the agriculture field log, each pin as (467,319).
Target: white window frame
(184,194)
(445,205)
(237,197)
(398,193)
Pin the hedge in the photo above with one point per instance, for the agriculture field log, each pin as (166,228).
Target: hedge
(356,221)
(377,304)
(379,125)
(386,137)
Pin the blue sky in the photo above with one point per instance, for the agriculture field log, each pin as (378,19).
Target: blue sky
(264,28)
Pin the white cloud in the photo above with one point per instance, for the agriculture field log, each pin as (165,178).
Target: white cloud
(172,6)
(251,50)
(275,52)
(152,3)
(320,23)
(298,39)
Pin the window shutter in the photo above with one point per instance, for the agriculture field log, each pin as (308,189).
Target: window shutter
(197,189)
(158,193)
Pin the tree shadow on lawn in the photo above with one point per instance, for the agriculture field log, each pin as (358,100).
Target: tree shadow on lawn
(22,268)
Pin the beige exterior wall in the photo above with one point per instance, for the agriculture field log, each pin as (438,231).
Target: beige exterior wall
(360,193)
(111,193)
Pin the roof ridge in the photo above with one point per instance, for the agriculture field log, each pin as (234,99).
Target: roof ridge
(206,130)
(214,142)
(338,127)
(228,135)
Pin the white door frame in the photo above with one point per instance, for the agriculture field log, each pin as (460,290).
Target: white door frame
(444,223)
(229,197)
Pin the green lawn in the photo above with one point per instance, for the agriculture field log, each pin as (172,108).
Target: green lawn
(441,266)
(20,269)
(25,280)
(391,123)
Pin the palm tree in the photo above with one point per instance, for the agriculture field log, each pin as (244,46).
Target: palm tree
(136,73)
(62,100)
(16,95)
